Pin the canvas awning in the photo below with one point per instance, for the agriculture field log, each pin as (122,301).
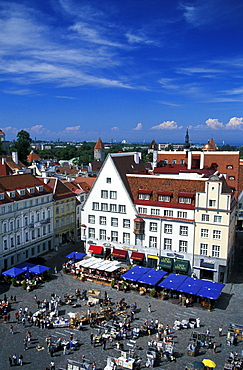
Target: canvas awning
(96,249)
(191,286)
(181,265)
(165,262)
(152,277)
(119,253)
(137,256)
(135,273)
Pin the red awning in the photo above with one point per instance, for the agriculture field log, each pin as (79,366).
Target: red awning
(144,191)
(165,192)
(119,253)
(137,256)
(185,194)
(96,249)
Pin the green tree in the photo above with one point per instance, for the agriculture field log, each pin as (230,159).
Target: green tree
(22,145)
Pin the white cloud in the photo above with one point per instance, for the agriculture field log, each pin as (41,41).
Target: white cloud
(138,127)
(214,123)
(138,39)
(115,128)
(166,125)
(19,92)
(65,97)
(168,84)
(72,128)
(235,123)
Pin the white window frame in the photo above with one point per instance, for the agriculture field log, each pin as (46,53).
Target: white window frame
(114,221)
(205,217)
(153,226)
(153,242)
(114,236)
(163,198)
(126,223)
(203,249)
(102,233)
(142,210)
(217,234)
(91,232)
(113,208)
(155,211)
(168,244)
(126,238)
(204,233)
(183,244)
(216,251)
(104,194)
(168,213)
(113,194)
(217,219)
(102,220)
(168,228)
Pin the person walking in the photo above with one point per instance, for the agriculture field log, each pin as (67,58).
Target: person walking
(11,329)
(14,359)
(20,360)
(104,343)
(91,338)
(25,344)
(10,359)
(52,365)
(214,347)
(149,308)
(220,331)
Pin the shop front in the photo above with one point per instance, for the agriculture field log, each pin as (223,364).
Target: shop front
(138,258)
(119,255)
(96,250)
(181,266)
(206,269)
(152,261)
(166,263)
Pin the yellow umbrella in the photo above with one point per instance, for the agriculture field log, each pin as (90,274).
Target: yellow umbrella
(208,363)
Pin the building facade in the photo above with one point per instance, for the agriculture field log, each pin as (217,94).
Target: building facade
(154,218)
(26,219)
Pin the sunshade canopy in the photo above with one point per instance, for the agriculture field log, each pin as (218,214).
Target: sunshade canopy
(191,286)
(13,272)
(152,277)
(76,255)
(173,281)
(38,269)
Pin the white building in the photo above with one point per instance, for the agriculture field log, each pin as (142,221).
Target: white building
(150,218)
(26,219)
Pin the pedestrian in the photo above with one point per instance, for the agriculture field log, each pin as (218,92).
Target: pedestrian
(220,331)
(91,338)
(149,308)
(55,270)
(207,332)
(198,322)
(65,352)
(71,337)
(94,366)
(25,344)
(15,299)
(104,343)
(11,329)
(20,360)
(14,359)
(52,365)
(10,359)
(214,347)
(51,351)
(83,359)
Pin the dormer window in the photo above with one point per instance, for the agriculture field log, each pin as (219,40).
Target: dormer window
(164,196)
(232,178)
(39,188)
(185,197)
(229,167)
(31,190)
(1,196)
(21,192)
(11,194)
(144,194)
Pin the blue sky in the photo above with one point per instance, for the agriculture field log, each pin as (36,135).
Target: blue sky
(122,69)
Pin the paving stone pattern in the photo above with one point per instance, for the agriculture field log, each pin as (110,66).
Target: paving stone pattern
(229,309)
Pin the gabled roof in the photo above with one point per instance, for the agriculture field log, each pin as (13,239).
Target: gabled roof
(11,164)
(59,189)
(67,170)
(32,157)
(96,165)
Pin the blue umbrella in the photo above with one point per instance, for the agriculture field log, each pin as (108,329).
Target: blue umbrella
(25,265)
(76,255)
(13,272)
(38,269)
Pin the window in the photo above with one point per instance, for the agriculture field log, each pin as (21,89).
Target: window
(183,246)
(205,217)
(165,161)
(204,233)
(25,221)
(5,244)
(113,195)
(113,208)
(144,196)
(31,190)
(184,230)
(152,242)
(11,225)
(108,180)
(173,161)
(168,213)
(104,194)
(12,242)
(164,198)
(126,238)
(139,240)
(114,236)
(182,161)
(5,227)
(212,203)
(21,192)
(126,223)
(216,251)
(168,244)
(91,232)
(57,223)
(39,188)
(155,211)
(153,226)
(44,230)
(142,210)
(168,229)
(122,209)
(204,249)
(67,207)
(26,237)
(104,207)
(216,234)
(102,220)
(63,221)
(17,223)
(181,214)
(12,194)
(231,177)
(1,196)
(38,232)
(185,200)
(62,208)
(95,206)
(102,234)
(57,210)
(3,210)
(217,219)
(18,239)
(91,219)
(114,222)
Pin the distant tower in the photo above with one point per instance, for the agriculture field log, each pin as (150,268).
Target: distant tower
(153,148)
(2,136)
(187,142)
(99,151)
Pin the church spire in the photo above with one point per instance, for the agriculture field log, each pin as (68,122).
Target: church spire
(187,143)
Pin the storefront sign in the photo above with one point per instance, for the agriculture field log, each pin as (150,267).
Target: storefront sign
(165,262)
(181,265)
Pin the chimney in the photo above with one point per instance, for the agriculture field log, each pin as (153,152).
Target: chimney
(202,161)
(15,157)
(46,180)
(3,160)
(189,164)
(136,158)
